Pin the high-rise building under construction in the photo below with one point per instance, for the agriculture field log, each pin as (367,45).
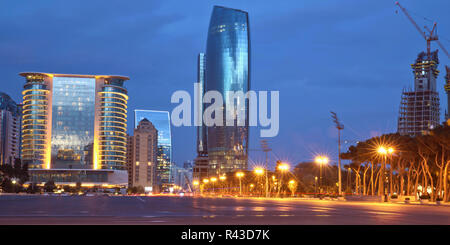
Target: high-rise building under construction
(419,108)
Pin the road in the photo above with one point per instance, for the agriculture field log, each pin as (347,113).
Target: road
(161,210)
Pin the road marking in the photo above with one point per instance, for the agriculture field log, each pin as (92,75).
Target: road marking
(140,199)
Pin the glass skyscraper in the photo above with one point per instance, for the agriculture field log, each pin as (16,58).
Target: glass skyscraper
(228,69)
(161,121)
(72,123)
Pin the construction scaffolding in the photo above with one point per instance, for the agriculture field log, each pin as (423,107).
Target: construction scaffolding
(419,108)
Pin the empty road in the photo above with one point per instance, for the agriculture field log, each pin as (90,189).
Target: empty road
(161,210)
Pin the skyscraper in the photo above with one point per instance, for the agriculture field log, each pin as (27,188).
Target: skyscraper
(10,127)
(228,70)
(144,156)
(161,121)
(74,127)
(419,108)
(201,163)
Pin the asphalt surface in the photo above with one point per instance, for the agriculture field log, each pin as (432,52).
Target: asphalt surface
(162,210)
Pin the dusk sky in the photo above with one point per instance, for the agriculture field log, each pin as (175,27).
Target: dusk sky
(352,57)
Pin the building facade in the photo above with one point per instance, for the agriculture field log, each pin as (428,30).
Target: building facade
(228,70)
(144,156)
(419,108)
(10,129)
(201,164)
(161,121)
(74,128)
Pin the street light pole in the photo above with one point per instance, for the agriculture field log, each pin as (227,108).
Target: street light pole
(339,127)
(266,149)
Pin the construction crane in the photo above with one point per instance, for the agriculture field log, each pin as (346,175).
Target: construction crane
(432,35)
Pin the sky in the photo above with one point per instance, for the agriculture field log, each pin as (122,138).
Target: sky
(351,57)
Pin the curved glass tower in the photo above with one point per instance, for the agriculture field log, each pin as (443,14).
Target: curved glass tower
(73,123)
(228,69)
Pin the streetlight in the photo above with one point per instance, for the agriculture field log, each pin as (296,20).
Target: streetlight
(213,180)
(292,186)
(261,171)
(339,127)
(282,167)
(196,184)
(240,175)
(384,152)
(315,186)
(321,160)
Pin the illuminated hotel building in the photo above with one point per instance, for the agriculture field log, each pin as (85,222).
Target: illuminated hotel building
(74,128)
(161,121)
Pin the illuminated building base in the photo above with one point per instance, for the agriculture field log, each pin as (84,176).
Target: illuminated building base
(88,177)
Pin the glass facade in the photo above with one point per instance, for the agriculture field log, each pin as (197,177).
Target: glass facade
(201,130)
(228,70)
(74,122)
(73,109)
(161,121)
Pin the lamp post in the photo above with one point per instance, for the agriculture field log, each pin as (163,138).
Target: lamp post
(384,152)
(260,171)
(282,167)
(240,175)
(213,180)
(205,181)
(266,149)
(339,127)
(315,185)
(222,179)
(321,160)
(196,184)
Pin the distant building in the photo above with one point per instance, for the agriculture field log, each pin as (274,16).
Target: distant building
(10,129)
(183,176)
(419,108)
(161,121)
(130,159)
(74,128)
(144,144)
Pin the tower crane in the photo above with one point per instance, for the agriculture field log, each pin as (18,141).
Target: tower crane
(432,35)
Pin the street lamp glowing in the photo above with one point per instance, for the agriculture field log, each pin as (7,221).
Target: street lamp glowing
(381,150)
(205,181)
(321,160)
(213,179)
(259,171)
(283,167)
(292,182)
(195,182)
(239,174)
(222,178)
(14,181)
